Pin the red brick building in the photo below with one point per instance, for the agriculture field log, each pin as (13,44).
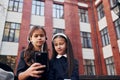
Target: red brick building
(92,26)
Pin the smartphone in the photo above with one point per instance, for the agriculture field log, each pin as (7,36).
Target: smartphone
(41,57)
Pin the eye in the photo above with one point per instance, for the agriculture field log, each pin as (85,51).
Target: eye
(36,35)
(42,35)
(55,44)
(61,43)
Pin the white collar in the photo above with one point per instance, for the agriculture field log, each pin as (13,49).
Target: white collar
(59,56)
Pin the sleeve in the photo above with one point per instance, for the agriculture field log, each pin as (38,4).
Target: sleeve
(51,73)
(21,64)
(75,74)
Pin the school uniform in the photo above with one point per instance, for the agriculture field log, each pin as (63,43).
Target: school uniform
(22,66)
(58,69)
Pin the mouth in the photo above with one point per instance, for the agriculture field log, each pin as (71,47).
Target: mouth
(39,42)
(59,50)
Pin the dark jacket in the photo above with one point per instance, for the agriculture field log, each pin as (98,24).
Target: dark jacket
(22,66)
(58,70)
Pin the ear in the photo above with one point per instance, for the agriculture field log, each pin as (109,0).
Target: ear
(30,39)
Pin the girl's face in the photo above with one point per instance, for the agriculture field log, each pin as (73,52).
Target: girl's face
(38,38)
(60,45)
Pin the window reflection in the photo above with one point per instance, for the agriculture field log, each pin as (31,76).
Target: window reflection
(15,5)
(37,7)
(58,11)
(11,32)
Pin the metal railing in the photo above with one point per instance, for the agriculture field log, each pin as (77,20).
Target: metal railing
(111,77)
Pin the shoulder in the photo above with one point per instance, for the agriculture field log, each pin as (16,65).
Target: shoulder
(22,53)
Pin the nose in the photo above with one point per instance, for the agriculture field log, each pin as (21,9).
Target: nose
(59,46)
(39,37)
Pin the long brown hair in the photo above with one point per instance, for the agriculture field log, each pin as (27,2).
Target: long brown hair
(29,51)
(69,51)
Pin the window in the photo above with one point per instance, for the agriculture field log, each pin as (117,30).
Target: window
(58,11)
(105,37)
(100,11)
(117,27)
(112,3)
(110,66)
(86,40)
(89,67)
(83,15)
(11,32)
(15,5)
(56,30)
(38,7)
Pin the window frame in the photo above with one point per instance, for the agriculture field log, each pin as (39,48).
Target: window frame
(38,8)
(12,33)
(89,66)
(112,3)
(117,28)
(86,39)
(58,11)
(15,3)
(83,14)
(57,30)
(100,11)
(105,37)
(110,66)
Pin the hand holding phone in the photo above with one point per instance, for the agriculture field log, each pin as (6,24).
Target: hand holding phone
(42,58)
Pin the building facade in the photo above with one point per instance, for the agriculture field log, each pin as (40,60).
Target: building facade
(93,27)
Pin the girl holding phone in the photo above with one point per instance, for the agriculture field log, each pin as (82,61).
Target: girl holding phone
(27,68)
